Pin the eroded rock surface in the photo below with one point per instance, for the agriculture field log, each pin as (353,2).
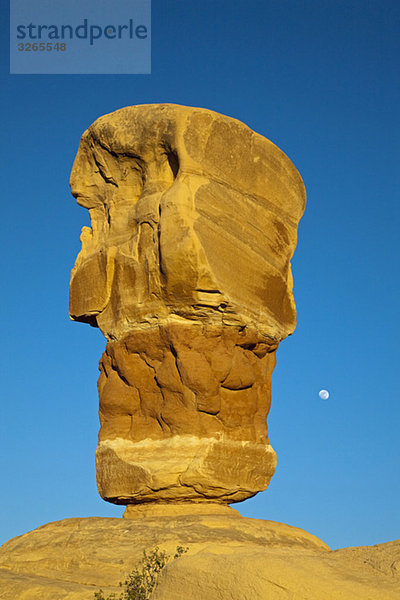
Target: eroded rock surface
(186,271)
(183,413)
(229,558)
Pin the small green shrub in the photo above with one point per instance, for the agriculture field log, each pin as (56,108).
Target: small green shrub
(141,582)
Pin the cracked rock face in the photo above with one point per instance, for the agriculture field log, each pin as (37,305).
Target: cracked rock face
(186,271)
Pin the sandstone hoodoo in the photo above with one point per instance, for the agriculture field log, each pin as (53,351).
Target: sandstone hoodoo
(186,271)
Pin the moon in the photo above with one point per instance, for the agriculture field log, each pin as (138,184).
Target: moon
(323,394)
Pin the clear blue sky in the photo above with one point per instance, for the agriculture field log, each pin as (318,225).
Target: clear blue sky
(321,80)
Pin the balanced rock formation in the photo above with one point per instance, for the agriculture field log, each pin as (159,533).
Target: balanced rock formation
(229,558)
(186,271)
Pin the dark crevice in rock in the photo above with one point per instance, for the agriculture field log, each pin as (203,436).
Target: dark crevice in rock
(175,355)
(237,389)
(106,178)
(173,160)
(89,319)
(162,272)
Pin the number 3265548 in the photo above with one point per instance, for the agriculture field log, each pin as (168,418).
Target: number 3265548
(42,47)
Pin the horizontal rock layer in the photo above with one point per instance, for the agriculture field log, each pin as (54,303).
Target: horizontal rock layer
(182,468)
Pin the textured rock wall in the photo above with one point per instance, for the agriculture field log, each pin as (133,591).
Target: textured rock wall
(186,406)
(186,271)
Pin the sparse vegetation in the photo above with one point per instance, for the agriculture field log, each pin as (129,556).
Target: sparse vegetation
(141,582)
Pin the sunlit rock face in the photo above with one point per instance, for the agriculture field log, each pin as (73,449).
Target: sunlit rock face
(186,271)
